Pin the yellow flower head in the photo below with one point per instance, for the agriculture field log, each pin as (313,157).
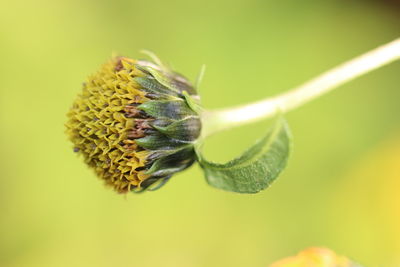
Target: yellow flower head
(133,125)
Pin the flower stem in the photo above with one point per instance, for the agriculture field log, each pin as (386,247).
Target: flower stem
(222,119)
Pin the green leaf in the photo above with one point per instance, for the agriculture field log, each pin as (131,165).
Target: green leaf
(256,168)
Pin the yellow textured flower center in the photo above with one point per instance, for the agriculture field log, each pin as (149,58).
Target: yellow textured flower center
(102,121)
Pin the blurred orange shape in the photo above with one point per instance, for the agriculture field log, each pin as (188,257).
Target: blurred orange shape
(315,257)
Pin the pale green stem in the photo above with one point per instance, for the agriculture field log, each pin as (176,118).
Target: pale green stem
(222,119)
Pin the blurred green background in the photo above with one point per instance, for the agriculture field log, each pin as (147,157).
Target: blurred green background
(340,189)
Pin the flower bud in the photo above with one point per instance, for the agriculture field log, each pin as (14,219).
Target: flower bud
(133,124)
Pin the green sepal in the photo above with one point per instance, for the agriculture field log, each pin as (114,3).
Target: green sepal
(158,141)
(160,183)
(161,123)
(151,85)
(177,109)
(173,163)
(256,168)
(172,80)
(187,129)
(151,184)
(157,154)
(193,103)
